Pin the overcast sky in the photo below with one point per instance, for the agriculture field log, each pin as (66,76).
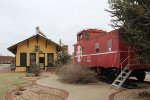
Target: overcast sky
(56,18)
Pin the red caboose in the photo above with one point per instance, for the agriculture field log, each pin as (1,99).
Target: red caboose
(105,52)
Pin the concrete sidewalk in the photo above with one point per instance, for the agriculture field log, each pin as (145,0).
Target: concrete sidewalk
(97,91)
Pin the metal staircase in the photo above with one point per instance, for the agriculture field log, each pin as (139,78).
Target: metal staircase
(121,78)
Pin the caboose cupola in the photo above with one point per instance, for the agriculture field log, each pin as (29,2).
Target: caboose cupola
(79,36)
(89,34)
(83,35)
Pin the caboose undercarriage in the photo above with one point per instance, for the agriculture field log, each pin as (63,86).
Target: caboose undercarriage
(112,73)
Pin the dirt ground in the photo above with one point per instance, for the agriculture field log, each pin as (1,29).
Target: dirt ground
(141,93)
(134,94)
(96,91)
(36,92)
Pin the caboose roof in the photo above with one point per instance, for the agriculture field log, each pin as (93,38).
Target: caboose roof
(92,31)
(114,31)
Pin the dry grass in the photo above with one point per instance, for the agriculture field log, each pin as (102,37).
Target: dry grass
(9,81)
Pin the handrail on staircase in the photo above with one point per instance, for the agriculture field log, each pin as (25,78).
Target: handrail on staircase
(123,61)
(118,82)
(128,58)
(122,64)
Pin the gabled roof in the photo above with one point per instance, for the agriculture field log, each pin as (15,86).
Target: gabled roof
(13,48)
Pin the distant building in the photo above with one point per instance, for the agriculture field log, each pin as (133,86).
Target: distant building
(6,59)
(37,49)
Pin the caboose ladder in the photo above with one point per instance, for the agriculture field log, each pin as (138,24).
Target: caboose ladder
(121,78)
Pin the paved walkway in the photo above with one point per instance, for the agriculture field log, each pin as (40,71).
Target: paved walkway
(98,91)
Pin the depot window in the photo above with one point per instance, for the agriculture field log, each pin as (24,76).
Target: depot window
(97,47)
(23,59)
(109,45)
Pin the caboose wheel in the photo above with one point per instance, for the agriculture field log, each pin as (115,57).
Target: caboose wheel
(140,75)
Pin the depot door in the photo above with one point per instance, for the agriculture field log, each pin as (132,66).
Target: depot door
(42,61)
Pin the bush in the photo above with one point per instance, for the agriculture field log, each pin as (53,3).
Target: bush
(77,74)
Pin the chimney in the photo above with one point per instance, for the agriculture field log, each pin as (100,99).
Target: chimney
(39,32)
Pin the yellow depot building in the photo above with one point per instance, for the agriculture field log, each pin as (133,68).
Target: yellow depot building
(37,49)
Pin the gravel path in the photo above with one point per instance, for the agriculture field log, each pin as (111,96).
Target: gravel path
(97,91)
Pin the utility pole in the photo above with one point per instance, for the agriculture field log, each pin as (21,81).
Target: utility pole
(60,53)
(60,42)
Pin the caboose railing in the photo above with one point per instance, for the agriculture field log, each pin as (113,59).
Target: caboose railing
(123,62)
(127,58)
(125,72)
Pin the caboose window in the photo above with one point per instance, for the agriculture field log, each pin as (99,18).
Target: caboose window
(109,44)
(79,36)
(86,35)
(97,46)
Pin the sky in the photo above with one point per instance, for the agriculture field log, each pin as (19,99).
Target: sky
(57,19)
